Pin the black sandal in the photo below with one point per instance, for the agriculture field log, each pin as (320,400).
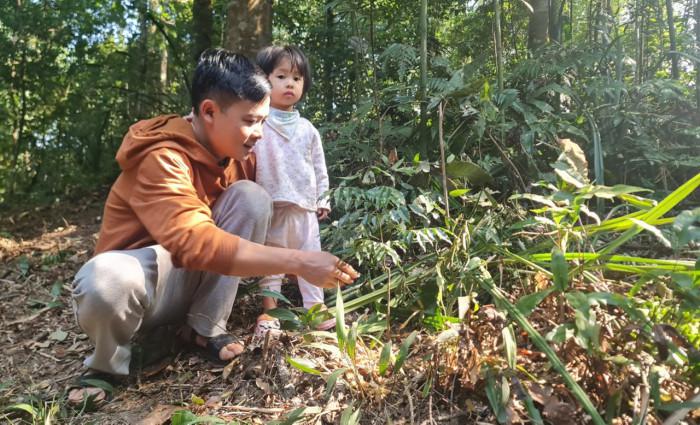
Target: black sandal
(216,343)
(92,389)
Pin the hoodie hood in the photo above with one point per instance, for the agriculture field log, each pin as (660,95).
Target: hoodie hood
(167,131)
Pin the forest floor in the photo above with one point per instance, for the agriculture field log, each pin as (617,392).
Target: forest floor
(41,249)
(441,382)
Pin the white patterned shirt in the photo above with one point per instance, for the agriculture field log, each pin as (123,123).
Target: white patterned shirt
(292,170)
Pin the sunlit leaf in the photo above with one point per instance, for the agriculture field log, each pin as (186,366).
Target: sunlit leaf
(304,365)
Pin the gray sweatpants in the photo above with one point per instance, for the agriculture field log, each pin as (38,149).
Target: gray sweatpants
(118,293)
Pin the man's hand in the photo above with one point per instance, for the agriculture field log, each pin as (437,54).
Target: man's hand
(326,270)
(322,213)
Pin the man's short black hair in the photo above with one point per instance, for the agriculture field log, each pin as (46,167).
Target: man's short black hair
(227,77)
(269,57)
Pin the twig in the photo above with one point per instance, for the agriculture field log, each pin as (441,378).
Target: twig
(49,356)
(29,318)
(269,410)
(10,295)
(507,159)
(410,405)
(456,415)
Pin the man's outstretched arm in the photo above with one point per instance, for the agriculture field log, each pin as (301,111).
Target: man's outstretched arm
(320,268)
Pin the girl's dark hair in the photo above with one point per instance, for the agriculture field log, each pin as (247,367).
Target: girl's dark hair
(227,77)
(269,57)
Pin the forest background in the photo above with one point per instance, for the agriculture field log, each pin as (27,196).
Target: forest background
(533,162)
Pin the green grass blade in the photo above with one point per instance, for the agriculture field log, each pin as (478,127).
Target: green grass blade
(340,319)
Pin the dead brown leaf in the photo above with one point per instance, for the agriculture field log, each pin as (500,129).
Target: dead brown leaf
(161,414)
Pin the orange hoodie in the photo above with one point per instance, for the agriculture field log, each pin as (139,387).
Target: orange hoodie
(164,195)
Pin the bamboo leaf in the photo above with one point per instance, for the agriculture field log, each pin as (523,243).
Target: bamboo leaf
(385,358)
(25,408)
(283,314)
(340,319)
(404,350)
(472,172)
(275,295)
(303,365)
(350,416)
(509,345)
(332,379)
(351,343)
(654,231)
(560,270)
(529,302)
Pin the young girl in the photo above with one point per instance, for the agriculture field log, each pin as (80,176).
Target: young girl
(292,168)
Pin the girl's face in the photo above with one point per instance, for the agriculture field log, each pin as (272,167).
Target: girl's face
(287,86)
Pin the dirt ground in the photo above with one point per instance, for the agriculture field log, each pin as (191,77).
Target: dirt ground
(43,349)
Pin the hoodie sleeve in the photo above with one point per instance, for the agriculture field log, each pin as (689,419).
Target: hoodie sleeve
(166,202)
(319,163)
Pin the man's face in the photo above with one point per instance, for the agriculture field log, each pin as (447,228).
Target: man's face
(232,132)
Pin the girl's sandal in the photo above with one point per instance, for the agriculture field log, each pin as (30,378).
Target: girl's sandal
(267,324)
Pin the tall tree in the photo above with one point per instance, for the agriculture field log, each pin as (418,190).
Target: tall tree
(538,27)
(249,25)
(202,27)
(672,39)
(697,49)
(423,82)
(328,63)
(499,43)
(556,9)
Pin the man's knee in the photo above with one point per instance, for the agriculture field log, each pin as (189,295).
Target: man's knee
(248,198)
(108,285)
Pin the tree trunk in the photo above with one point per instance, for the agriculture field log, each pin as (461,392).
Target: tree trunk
(672,39)
(142,79)
(538,27)
(163,80)
(423,83)
(328,61)
(697,49)
(639,42)
(202,27)
(499,44)
(18,133)
(571,20)
(249,25)
(556,7)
